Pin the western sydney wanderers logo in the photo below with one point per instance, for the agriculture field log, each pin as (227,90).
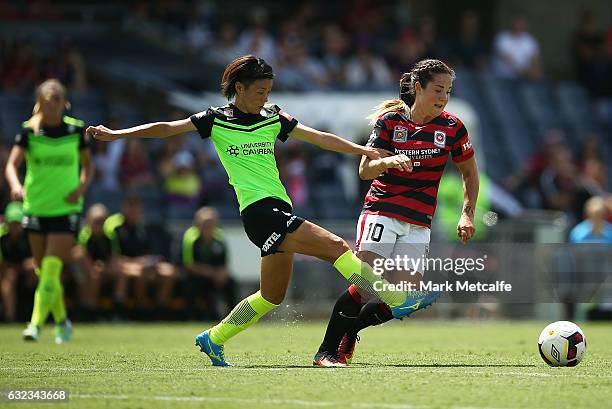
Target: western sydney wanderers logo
(440,138)
(400,134)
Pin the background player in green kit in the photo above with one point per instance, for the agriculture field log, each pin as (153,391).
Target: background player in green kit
(59,169)
(244,133)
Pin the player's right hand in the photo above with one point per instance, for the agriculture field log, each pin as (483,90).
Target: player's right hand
(101,132)
(400,162)
(17,194)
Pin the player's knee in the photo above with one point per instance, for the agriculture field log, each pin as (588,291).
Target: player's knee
(275,298)
(338,247)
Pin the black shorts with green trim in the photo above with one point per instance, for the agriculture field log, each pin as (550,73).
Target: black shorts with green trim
(69,223)
(267,222)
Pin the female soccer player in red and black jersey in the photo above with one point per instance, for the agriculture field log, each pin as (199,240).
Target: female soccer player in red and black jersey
(398,209)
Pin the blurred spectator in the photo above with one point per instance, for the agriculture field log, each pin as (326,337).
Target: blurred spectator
(428,34)
(256,40)
(20,72)
(525,183)
(182,186)
(225,47)
(294,175)
(334,56)
(365,18)
(15,259)
(135,262)
(587,49)
(592,181)
(107,158)
(169,149)
(467,49)
(558,181)
(94,256)
(298,71)
(407,49)
(595,228)
(204,256)
(516,52)
(135,168)
(199,35)
(366,71)
(603,81)
(67,65)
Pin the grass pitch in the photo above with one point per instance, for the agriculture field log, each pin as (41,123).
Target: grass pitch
(416,364)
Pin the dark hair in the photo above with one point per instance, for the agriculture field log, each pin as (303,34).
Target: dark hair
(246,69)
(421,72)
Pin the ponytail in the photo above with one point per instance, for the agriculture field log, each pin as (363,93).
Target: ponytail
(36,118)
(390,105)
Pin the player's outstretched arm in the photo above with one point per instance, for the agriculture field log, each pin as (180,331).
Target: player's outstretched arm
(152,130)
(331,142)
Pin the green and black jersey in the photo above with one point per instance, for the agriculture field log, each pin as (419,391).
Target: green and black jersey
(126,239)
(196,250)
(13,251)
(52,167)
(245,145)
(98,248)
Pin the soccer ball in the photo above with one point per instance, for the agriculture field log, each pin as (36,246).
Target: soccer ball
(562,343)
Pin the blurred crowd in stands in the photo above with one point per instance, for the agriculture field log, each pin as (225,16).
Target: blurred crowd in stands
(311,48)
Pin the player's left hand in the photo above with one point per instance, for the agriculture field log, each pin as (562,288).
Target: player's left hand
(75,195)
(465,228)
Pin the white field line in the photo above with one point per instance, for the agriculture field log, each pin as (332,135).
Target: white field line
(349,370)
(284,402)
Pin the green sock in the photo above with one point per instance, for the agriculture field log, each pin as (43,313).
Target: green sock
(245,314)
(59,308)
(360,273)
(48,289)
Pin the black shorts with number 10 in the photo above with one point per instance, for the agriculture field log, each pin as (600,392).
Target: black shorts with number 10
(267,222)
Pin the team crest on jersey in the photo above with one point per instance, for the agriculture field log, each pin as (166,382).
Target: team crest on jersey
(440,138)
(228,112)
(400,134)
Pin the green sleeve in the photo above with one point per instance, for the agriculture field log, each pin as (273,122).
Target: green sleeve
(110,226)
(189,239)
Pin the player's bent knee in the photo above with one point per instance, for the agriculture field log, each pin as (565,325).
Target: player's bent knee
(274,298)
(338,247)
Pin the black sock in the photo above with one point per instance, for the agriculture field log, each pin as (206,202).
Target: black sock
(342,319)
(373,313)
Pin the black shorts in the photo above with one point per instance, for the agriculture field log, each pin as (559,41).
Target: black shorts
(267,222)
(59,224)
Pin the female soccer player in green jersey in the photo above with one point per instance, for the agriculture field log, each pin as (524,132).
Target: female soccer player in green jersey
(244,133)
(59,169)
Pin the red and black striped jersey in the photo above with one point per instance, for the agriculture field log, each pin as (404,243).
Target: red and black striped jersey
(411,196)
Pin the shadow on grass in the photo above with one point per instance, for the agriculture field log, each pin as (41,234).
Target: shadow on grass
(366,365)
(445,365)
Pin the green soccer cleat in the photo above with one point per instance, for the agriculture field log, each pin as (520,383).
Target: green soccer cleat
(31,332)
(63,331)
